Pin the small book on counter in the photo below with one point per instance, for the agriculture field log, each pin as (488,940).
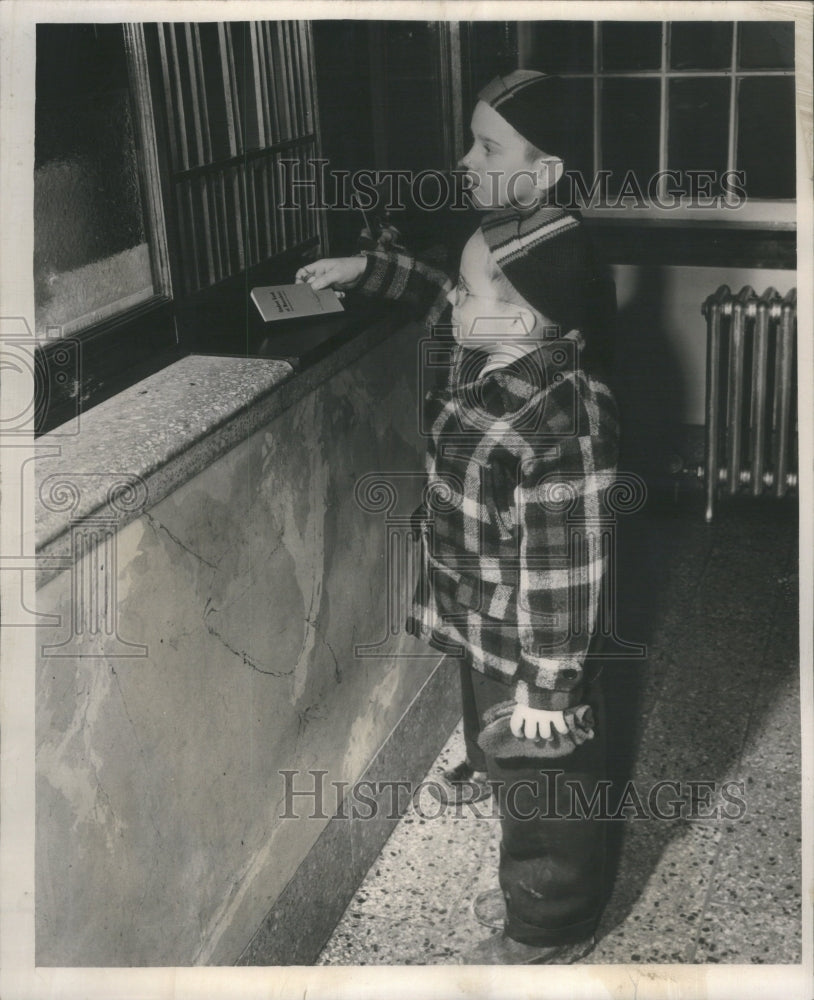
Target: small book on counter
(276,302)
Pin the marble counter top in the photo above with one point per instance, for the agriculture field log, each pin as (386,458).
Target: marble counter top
(124,455)
(131,450)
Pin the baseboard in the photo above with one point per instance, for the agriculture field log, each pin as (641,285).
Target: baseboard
(298,925)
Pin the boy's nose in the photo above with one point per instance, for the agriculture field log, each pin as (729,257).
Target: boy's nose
(452,296)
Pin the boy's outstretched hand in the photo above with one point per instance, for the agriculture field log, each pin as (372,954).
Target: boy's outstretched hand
(332,272)
(529,722)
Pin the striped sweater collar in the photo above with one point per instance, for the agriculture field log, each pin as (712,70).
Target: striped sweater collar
(512,233)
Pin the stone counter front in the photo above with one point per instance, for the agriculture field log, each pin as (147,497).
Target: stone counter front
(219,646)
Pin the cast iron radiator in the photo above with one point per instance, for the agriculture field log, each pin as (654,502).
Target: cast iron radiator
(751,408)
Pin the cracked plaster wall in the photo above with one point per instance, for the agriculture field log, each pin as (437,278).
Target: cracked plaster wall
(159,837)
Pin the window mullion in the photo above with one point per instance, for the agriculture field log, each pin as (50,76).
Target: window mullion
(147,152)
(733,102)
(663,110)
(597,122)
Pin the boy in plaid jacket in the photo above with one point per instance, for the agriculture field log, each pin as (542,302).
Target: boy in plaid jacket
(524,441)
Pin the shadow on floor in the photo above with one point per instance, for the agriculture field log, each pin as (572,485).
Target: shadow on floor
(707,601)
(715,702)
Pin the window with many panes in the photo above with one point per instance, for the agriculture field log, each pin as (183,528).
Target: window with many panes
(682,96)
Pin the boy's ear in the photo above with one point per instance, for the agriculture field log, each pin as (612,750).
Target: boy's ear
(549,170)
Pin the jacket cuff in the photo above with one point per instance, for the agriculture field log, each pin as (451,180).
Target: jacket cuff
(550,684)
(373,275)
(543,700)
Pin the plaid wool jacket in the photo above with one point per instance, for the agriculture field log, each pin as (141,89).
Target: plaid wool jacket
(518,461)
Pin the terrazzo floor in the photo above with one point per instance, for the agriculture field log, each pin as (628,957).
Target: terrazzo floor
(715,699)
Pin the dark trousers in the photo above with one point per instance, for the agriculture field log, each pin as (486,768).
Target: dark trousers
(552,854)
(474,754)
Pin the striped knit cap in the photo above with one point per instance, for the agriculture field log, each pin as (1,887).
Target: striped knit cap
(545,251)
(547,256)
(536,106)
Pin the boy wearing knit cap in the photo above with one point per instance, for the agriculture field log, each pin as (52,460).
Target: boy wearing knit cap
(524,440)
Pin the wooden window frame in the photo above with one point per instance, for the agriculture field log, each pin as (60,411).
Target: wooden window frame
(113,353)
